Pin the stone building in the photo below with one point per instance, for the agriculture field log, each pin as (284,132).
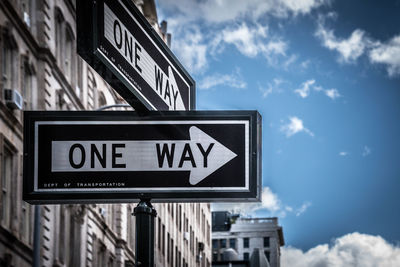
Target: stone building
(40,70)
(244,237)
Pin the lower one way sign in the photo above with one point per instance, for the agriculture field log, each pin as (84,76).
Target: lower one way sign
(72,157)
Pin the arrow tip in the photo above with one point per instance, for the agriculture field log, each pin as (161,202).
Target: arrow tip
(217,157)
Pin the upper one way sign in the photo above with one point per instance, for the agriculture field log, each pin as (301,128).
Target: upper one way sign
(119,43)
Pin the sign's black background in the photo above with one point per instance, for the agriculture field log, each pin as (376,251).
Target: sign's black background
(231,136)
(228,134)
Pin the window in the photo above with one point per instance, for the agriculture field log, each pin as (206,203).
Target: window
(7,176)
(59,44)
(159,233)
(267,255)
(168,248)
(266,241)
(191,240)
(26,223)
(176,256)
(246,242)
(79,86)
(232,243)
(203,223)
(102,99)
(246,256)
(163,240)
(27,84)
(61,250)
(215,256)
(101,255)
(172,252)
(215,243)
(180,218)
(68,54)
(9,62)
(111,261)
(222,243)
(208,233)
(198,213)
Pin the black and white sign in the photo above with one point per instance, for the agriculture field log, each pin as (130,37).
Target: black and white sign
(116,35)
(118,156)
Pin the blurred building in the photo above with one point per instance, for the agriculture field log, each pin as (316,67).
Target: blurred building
(240,241)
(40,70)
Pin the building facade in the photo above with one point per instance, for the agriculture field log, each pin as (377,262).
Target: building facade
(244,236)
(40,70)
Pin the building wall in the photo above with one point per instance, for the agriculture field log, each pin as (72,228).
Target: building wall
(38,59)
(254,230)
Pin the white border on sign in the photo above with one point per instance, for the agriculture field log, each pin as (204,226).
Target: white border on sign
(145,189)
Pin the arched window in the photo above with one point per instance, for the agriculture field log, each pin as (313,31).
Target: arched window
(27,83)
(58,32)
(69,53)
(9,58)
(102,100)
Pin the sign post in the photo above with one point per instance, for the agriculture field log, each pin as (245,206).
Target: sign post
(145,214)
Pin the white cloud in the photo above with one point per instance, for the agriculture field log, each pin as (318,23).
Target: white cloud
(247,40)
(270,204)
(274,87)
(303,208)
(270,201)
(349,49)
(357,44)
(388,54)
(234,80)
(305,64)
(295,126)
(343,153)
(353,249)
(251,40)
(218,19)
(303,6)
(332,93)
(221,11)
(366,151)
(304,90)
(191,49)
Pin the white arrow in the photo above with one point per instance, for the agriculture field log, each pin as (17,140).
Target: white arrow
(201,155)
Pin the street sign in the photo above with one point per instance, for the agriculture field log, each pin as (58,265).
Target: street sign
(83,156)
(118,42)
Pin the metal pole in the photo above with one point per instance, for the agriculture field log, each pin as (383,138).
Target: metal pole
(145,214)
(36,237)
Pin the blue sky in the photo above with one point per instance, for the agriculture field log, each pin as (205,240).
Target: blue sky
(325,76)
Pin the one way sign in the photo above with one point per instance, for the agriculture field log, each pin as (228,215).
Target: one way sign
(118,156)
(118,42)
